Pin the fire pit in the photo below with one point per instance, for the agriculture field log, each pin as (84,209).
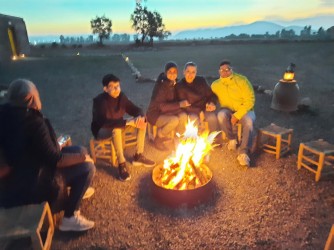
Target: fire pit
(183,179)
(186,197)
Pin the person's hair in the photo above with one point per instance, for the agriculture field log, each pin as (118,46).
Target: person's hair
(225,62)
(109,78)
(23,93)
(189,64)
(170,65)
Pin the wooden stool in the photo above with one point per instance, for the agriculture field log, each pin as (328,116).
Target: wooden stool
(315,155)
(152,131)
(330,241)
(104,148)
(274,140)
(27,221)
(239,132)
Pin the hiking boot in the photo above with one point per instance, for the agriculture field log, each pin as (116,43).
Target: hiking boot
(123,172)
(76,223)
(159,144)
(140,159)
(232,145)
(243,160)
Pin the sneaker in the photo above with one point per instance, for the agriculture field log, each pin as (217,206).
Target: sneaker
(140,159)
(89,192)
(159,144)
(76,223)
(232,145)
(123,172)
(243,160)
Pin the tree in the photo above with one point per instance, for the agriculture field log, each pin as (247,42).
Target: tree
(102,27)
(321,33)
(306,32)
(148,24)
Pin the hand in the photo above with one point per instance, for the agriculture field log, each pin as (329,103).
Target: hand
(184,104)
(210,107)
(88,159)
(234,120)
(141,122)
(131,122)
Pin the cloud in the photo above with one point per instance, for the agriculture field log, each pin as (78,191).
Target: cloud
(326,3)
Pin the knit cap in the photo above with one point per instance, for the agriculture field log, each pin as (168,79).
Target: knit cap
(170,65)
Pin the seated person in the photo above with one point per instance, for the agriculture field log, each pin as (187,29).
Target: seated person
(164,110)
(34,168)
(109,108)
(237,99)
(199,95)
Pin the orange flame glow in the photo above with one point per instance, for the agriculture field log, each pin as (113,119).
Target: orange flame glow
(183,169)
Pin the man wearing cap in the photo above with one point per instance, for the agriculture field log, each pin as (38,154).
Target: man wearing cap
(236,98)
(164,110)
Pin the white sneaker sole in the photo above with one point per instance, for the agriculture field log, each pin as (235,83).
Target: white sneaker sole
(66,229)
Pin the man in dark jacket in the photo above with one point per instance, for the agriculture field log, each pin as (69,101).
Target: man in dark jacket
(199,95)
(164,110)
(109,109)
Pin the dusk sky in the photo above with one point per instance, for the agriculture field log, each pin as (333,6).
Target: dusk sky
(55,17)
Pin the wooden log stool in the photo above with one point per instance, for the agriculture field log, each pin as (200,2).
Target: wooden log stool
(274,139)
(315,155)
(330,240)
(104,148)
(27,221)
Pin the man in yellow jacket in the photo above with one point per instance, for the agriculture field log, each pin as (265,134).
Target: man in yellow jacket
(236,98)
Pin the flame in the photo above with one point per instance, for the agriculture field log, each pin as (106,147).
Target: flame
(288,76)
(183,169)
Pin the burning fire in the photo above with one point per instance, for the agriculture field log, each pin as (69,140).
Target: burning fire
(185,169)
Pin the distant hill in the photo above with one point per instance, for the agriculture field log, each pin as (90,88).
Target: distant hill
(256,28)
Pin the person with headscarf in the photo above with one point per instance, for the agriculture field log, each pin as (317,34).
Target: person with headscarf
(164,110)
(35,169)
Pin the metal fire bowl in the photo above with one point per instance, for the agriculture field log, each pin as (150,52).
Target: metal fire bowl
(182,198)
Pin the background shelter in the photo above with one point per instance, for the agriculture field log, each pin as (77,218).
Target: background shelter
(13,38)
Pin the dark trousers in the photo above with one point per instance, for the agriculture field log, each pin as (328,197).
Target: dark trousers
(78,177)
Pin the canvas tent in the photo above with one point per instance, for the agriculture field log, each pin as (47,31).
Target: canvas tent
(13,38)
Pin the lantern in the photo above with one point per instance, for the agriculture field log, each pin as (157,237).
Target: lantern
(286,92)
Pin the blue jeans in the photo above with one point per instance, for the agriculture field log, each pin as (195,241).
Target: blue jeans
(78,177)
(247,122)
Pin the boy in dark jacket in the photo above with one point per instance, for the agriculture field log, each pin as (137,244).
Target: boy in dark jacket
(109,108)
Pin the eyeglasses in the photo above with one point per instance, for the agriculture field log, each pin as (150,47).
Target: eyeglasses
(225,70)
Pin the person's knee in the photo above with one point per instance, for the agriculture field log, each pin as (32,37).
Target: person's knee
(75,149)
(222,116)
(247,122)
(174,121)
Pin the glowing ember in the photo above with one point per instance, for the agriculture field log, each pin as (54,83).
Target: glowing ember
(185,170)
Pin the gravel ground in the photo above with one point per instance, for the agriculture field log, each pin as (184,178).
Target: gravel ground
(271,205)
